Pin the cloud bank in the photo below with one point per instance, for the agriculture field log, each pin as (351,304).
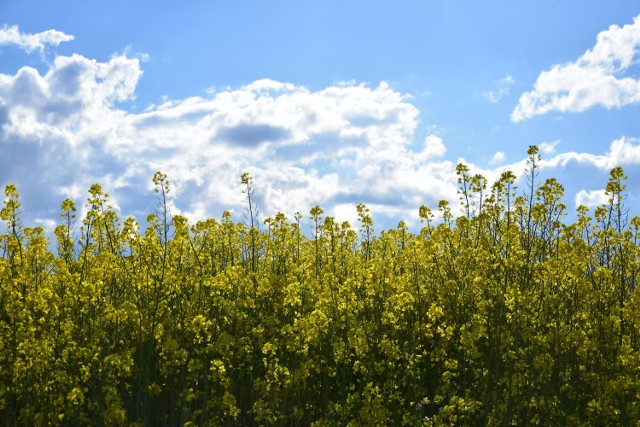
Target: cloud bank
(596,78)
(335,147)
(66,129)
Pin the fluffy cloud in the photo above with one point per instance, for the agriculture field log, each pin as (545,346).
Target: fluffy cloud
(31,42)
(433,147)
(591,198)
(340,145)
(596,78)
(335,147)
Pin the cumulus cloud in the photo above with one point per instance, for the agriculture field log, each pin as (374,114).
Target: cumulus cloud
(433,147)
(335,147)
(503,87)
(11,35)
(342,144)
(596,78)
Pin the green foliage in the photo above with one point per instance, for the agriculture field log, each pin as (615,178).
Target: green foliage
(505,315)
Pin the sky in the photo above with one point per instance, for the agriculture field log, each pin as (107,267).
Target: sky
(329,103)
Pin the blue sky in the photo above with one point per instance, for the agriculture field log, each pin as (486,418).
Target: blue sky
(330,103)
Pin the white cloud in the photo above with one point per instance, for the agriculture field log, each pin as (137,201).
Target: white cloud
(31,42)
(624,151)
(433,148)
(502,89)
(596,78)
(549,147)
(47,224)
(498,158)
(591,198)
(335,147)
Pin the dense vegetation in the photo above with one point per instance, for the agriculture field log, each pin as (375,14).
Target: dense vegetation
(504,315)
